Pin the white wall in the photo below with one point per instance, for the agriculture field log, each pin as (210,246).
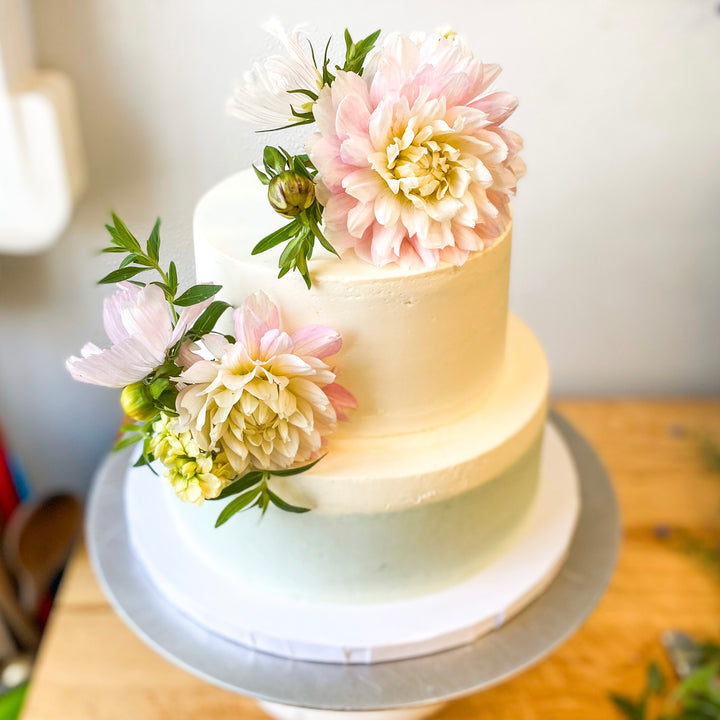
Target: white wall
(616,252)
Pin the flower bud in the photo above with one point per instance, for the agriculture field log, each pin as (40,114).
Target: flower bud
(137,403)
(290,193)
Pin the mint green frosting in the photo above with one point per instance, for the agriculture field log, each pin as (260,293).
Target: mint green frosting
(367,557)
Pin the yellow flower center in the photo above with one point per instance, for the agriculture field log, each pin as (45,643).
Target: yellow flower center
(420,166)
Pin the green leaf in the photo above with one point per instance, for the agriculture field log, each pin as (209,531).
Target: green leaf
(241,484)
(299,168)
(655,679)
(197,294)
(279,502)
(292,248)
(262,177)
(308,119)
(304,91)
(275,238)
(121,231)
(206,322)
(627,707)
(158,387)
(120,275)
(273,160)
(127,441)
(153,243)
(130,428)
(129,258)
(113,249)
(297,470)
(263,501)
(319,235)
(236,505)
(172,277)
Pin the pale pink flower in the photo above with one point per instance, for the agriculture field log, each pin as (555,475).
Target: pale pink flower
(268,399)
(137,322)
(414,164)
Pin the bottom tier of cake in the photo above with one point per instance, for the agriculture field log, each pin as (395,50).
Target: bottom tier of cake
(395,517)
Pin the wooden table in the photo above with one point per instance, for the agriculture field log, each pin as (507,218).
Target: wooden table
(92,666)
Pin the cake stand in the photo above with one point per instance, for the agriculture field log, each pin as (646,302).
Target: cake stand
(403,689)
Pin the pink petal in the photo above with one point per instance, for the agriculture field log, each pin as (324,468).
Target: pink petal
(316,340)
(253,319)
(341,399)
(188,354)
(325,155)
(498,106)
(187,317)
(352,116)
(360,218)
(216,344)
(124,363)
(363,184)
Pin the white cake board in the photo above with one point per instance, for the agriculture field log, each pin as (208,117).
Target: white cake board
(403,689)
(360,633)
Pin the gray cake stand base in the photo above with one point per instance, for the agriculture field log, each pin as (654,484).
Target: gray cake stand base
(400,690)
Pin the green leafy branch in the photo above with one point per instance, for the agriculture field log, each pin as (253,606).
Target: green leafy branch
(292,178)
(696,697)
(357,52)
(252,491)
(138,260)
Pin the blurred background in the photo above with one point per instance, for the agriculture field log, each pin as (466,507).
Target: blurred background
(616,242)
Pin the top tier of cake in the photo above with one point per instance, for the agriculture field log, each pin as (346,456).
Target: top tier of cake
(417,344)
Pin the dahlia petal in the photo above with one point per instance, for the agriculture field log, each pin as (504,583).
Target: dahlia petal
(387,208)
(317,341)
(360,218)
(341,399)
(202,371)
(380,125)
(498,106)
(290,365)
(216,344)
(351,117)
(253,319)
(363,184)
(325,155)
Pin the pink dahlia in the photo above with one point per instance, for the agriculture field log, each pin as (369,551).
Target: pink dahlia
(268,399)
(414,164)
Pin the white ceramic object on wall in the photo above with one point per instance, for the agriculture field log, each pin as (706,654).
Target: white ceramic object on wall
(42,168)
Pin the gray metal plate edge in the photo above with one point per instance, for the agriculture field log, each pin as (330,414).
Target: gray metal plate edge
(492,659)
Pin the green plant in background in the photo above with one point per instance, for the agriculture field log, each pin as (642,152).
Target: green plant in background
(697,694)
(696,697)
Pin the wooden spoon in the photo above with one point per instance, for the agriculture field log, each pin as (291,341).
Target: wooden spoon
(38,540)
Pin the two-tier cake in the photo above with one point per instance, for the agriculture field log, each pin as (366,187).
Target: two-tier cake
(348,422)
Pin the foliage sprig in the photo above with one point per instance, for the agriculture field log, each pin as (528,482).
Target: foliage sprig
(252,490)
(302,231)
(695,697)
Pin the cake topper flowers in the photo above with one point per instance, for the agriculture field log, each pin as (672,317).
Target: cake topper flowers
(222,413)
(410,162)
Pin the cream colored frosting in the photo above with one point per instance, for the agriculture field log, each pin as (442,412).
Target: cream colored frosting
(417,344)
(363,474)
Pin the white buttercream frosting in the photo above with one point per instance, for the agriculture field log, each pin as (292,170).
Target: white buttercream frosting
(421,348)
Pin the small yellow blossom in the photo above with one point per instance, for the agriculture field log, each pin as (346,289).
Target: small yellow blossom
(194,475)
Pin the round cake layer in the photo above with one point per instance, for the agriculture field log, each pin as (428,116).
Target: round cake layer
(354,633)
(416,343)
(394,517)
